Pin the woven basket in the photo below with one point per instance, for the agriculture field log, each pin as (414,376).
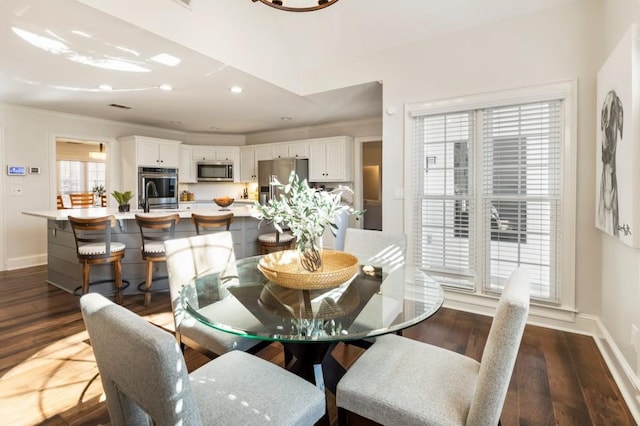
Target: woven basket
(282,268)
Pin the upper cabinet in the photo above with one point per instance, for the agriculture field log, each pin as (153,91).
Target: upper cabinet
(331,159)
(151,152)
(291,150)
(215,153)
(249,157)
(187,168)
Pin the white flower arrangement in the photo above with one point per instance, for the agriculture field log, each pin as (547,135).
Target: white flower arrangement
(305,211)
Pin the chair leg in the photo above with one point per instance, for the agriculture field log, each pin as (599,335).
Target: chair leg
(117,266)
(343,417)
(85,278)
(148,282)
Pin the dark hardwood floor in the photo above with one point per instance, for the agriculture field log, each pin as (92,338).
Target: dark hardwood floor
(48,375)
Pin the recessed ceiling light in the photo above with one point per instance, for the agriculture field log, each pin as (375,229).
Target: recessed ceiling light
(105,87)
(176,122)
(214,128)
(166,87)
(285,118)
(235,89)
(166,59)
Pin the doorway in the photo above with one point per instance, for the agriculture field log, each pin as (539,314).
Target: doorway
(81,168)
(372,184)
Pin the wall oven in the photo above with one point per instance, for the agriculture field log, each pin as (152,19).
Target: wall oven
(159,186)
(215,171)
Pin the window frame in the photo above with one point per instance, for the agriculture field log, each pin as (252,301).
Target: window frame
(566,92)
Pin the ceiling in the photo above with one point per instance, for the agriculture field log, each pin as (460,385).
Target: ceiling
(55,55)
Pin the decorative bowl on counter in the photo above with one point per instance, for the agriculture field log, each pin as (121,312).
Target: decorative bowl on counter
(223,202)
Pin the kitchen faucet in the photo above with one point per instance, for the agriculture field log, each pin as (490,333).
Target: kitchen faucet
(145,203)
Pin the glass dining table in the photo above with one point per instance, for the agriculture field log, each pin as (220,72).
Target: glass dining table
(309,323)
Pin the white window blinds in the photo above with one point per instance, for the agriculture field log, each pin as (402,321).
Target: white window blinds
(487,195)
(521,194)
(444,195)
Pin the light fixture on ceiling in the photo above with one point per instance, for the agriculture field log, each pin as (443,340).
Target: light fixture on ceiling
(301,5)
(235,89)
(101,155)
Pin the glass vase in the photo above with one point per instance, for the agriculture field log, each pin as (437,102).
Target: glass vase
(310,255)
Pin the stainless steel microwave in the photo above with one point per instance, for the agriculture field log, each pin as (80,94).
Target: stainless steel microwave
(215,171)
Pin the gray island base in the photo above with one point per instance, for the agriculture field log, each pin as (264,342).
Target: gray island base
(64,270)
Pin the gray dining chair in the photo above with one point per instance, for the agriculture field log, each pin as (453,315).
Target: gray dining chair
(186,257)
(377,248)
(145,378)
(418,383)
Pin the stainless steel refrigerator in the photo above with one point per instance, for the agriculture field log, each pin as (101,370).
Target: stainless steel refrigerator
(281,168)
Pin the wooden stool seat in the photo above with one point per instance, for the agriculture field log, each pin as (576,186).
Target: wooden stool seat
(154,231)
(275,241)
(94,247)
(210,222)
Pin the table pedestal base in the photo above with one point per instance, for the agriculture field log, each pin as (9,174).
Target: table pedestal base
(314,362)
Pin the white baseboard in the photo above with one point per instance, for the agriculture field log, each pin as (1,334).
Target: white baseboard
(26,262)
(622,372)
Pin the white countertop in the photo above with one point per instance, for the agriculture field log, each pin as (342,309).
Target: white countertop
(239,211)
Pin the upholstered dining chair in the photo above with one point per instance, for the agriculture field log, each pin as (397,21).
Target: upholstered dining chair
(186,257)
(145,378)
(417,383)
(377,248)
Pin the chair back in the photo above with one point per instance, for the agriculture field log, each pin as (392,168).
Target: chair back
(207,223)
(187,257)
(501,350)
(93,236)
(155,230)
(81,200)
(59,203)
(103,201)
(377,248)
(143,373)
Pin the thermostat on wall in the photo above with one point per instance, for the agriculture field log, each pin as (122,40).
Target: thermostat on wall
(34,170)
(16,170)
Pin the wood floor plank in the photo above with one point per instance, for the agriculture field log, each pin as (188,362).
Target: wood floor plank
(48,374)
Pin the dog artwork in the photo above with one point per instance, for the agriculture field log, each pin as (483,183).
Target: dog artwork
(611,125)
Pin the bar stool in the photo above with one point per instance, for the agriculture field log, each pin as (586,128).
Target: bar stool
(94,247)
(154,231)
(275,241)
(209,222)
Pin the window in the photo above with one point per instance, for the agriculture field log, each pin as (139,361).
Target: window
(80,176)
(487,193)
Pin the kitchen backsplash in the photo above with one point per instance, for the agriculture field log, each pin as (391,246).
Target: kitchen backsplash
(210,190)
(207,191)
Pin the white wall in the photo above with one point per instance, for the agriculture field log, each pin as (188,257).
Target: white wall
(560,44)
(29,140)
(620,274)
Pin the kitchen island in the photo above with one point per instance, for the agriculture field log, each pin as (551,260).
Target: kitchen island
(65,271)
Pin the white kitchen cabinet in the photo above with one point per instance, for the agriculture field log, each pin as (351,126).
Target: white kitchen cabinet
(227,154)
(151,152)
(331,159)
(187,167)
(249,157)
(299,150)
(202,153)
(291,150)
(280,151)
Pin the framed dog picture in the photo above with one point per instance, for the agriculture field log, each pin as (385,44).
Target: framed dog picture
(617,141)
